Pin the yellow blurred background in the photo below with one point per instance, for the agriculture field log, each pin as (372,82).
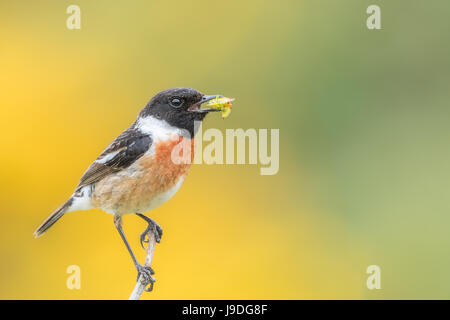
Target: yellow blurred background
(364,164)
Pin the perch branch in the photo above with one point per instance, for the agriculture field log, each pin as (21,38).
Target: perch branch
(141,283)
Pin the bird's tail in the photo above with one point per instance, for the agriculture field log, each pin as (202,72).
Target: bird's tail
(53,218)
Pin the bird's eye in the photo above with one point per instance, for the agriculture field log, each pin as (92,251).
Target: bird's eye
(176,102)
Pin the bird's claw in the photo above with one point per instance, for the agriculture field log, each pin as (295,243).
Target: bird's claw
(143,238)
(147,278)
(153,227)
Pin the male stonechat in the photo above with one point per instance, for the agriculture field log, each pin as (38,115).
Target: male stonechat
(136,172)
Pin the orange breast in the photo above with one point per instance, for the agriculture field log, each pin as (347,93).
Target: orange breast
(135,188)
(163,167)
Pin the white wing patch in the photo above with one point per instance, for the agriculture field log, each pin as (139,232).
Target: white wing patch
(108,157)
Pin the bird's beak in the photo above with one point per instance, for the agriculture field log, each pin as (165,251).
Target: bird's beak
(197,107)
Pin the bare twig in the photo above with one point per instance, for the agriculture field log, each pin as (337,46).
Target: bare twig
(141,283)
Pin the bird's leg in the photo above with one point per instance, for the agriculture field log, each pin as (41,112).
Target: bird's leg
(146,271)
(152,226)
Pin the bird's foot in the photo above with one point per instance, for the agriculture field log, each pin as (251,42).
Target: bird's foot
(153,227)
(147,278)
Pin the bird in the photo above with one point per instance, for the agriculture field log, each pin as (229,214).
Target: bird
(136,173)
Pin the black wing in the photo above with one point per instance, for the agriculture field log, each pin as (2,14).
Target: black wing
(122,152)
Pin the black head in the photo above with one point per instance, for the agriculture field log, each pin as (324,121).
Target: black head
(180,107)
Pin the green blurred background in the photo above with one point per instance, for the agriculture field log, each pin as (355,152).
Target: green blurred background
(364,165)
